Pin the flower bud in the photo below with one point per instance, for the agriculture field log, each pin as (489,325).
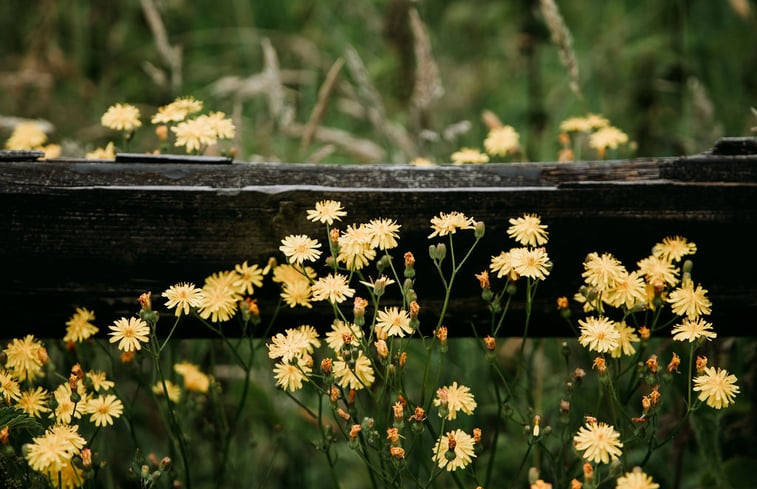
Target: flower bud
(326,365)
(479,229)
(382,349)
(701,363)
(490,343)
(441,251)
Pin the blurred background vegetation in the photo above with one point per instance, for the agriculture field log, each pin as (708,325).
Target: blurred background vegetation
(674,75)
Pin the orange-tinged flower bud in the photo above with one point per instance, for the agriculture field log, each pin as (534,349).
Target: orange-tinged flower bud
(600,365)
(674,363)
(351,396)
(646,403)
(451,442)
(420,414)
(343,414)
(476,435)
(562,303)
(644,333)
(490,343)
(414,310)
(127,356)
(409,260)
(588,472)
(382,349)
(441,334)
(359,306)
(403,359)
(162,132)
(654,396)
(334,394)
(483,279)
(393,435)
(397,452)
(145,302)
(652,364)
(355,431)
(326,365)
(4,435)
(701,363)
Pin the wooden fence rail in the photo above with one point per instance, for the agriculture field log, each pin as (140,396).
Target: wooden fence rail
(97,234)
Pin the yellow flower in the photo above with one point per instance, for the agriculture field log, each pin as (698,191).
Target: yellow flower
(33,402)
(716,387)
(219,297)
(326,212)
(340,329)
(394,322)
(54,449)
(194,379)
(106,153)
(79,327)
(502,264)
(689,301)
(355,249)
(177,110)
(66,408)
(384,233)
(528,230)
(636,480)
(575,124)
(26,135)
(249,277)
(540,484)
(445,224)
(299,248)
(532,263)
(627,336)
(458,398)
(121,117)
(194,134)
(333,288)
(599,334)
(288,274)
(67,477)
(52,151)
(9,387)
(297,294)
(297,342)
(501,140)
(628,290)
(602,271)
(357,377)
(421,161)
(468,155)
(188,104)
(99,381)
(103,409)
(454,450)
(130,333)
(674,248)
(290,375)
(692,330)
(174,391)
(596,121)
(222,126)
(607,137)
(599,442)
(24,358)
(658,269)
(183,296)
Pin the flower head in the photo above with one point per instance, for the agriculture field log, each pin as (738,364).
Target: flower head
(248,277)
(174,391)
(103,409)
(655,268)
(502,264)
(326,212)
(121,117)
(33,401)
(394,322)
(457,398)
(106,153)
(355,249)
(300,248)
(295,343)
(100,381)
(290,375)
(692,330)
(445,224)
(636,479)
(716,387)
(26,135)
(599,442)
(627,291)
(9,387)
(333,288)
(222,126)
(607,137)
(183,296)
(194,379)
(66,409)
(599,334)
(528,230)
(339,331)
(689,301)
(195,134)
(533,263)
(220,295)
(627,336)
(130,333)
(24,357)
(454,450)
(674,248)
(383,233)
(80,327)
(468,155)
(501,140)
(602,271)
(356,377)
(297,294)
(53,450)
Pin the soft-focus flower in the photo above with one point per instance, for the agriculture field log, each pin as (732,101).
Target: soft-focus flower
(80,327)
(333,288)
(174,391)
(53,450)
(326,212)
(299,248)
(421,161)
(100,381)
(183,296)
(690,301)
(531,262)
(220,297)
(26,135)
(357,377)
(599,442)
(627,336)
(24,358)
(716,387)
(106,153)
(528,230)
(674,248)
(130,333)
(103,409)
(297,294)
(222,126)
(469,155)
(194,134)
(636,479)
(290,375)
(445,224)
(384,233)
(454,450)
(248,277)
(121,117)
(602,271)
(599,334)
(540,484)
(692,330)
(296,342)
(607,137)
(9,387)
(33,401)
(394,322)
(65,408)
(501,140)
(459,398)
(194,379)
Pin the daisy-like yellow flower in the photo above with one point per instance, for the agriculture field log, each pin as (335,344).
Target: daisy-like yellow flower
(445,224)
(67,477)
(194,379)
(468,155)
(290,375)
(174,391)
(333,288)
(716,387)
(249,277)
(168,114)
(454,450)
(121,117)
(296,342)
(194,134)
(602,271)
(299,248)
(288,274)
(596,121)
(690,301)
(394,322)
(222,126)
(532,263)
(358,377)
(528,230)
(24,358)
(627,337)
(326,212)
(502,264)
(130,333)
(355,249)
(599,442)
(33,401)
(656,269)
(673,248)
(103,409)
(26,135)
(297,294)
(66,409)
(54,449)
(692,330)
(188,104)
(607,137)
(599,334)
(220,296)
(51,151)
(502,140)
(384,233)
(340,330)
(9,387)
(636,479)
(575,124)
(182,297)
(457,398)
(627,291)
(106,153)
(80,327)
(99,380)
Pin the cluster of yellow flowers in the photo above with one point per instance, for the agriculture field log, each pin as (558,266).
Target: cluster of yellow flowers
(601,136)
(30,136)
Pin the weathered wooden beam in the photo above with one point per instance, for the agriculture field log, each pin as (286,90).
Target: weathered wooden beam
(97,234)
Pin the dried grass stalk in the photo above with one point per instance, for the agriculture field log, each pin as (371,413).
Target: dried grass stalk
(324,94)
(171,55)
(563,40)
(428,85)
(361,149)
